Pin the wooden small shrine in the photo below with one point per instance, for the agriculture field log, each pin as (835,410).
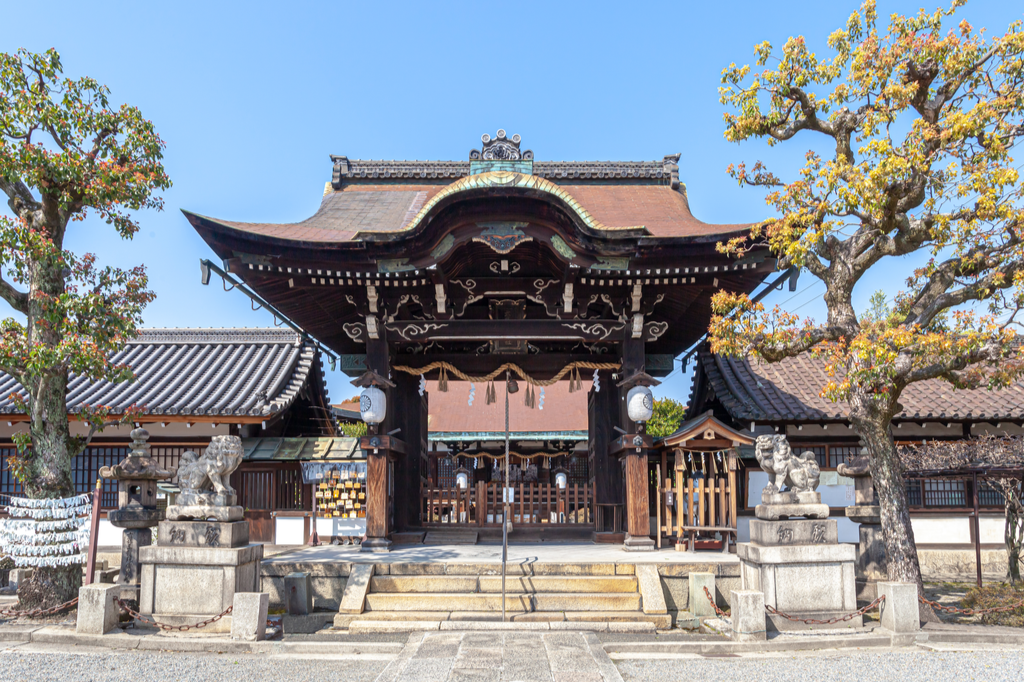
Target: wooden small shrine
(492,268)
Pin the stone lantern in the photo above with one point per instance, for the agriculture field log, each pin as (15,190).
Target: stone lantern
(137,476)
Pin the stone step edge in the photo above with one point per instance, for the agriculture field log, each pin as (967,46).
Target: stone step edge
(369,626)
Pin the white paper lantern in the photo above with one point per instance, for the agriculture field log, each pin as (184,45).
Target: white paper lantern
(561,480)
(462,478)
(640,404)
(373,405)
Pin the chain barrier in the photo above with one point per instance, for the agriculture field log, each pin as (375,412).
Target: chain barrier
(40,612)
(966,611)
(847,617)
(167,627)
(718,611)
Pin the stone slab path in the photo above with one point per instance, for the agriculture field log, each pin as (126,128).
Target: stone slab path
(502,656)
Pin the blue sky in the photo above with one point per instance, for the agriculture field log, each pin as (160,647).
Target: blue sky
(252,97)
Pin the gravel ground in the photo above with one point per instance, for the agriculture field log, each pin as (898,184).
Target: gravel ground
(153,666)
(1000,665)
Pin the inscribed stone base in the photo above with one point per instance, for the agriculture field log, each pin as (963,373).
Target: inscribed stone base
(805,581)
(196,581)
(131,541)
(871,564)
(199,534)
(776,512)
(231,513)
(794,532)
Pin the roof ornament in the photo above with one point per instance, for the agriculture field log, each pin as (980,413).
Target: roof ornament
(500,148)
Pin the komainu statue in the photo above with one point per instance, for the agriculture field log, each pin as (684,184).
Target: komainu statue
(205,493)
(799,473)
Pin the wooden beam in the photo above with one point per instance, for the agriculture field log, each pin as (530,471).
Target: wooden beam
(484,330)
(539,366)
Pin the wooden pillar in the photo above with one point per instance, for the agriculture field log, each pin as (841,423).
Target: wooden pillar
(380,450)
(410,414)
(638,508)
(376,502)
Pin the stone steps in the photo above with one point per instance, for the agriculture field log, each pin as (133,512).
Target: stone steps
(492,584)
(490,602)
(371,626)
(451,537)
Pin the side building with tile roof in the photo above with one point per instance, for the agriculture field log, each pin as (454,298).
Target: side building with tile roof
(784,398)
(264,385)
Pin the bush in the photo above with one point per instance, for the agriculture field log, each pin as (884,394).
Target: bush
(997,595)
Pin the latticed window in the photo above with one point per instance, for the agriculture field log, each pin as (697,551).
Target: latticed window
(579,471)
(988,496)
(830,456)
(937,493)
(85,469)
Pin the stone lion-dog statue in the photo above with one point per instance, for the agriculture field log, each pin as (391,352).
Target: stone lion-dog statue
(203,479)
(799,473)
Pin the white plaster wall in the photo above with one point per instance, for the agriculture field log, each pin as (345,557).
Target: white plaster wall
(951,529)
(991,528)
(340,527)
(288,530)
(109,534)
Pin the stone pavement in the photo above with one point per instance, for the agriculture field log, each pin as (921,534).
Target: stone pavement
(502,656)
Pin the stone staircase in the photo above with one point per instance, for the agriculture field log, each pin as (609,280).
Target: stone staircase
(456,596)
(450,537)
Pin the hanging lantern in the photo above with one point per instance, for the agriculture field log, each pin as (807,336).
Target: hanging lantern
(462,478)
(640,403)
(373,405)
(561,477)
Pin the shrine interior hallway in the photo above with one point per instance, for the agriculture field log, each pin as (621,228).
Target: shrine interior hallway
(518,553)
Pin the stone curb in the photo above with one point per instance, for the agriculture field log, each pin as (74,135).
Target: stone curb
(52,635)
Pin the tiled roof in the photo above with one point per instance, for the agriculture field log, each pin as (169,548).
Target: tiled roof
(789,391)
(303,448)
(655,208)
(201,372)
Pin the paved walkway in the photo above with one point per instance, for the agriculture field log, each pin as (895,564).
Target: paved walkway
(518,553)
(475,656)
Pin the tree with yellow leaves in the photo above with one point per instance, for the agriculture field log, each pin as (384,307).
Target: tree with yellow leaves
(920,121)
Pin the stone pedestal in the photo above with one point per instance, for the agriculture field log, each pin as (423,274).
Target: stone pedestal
(131,541)
(802,570)
(871,565)
(195,570)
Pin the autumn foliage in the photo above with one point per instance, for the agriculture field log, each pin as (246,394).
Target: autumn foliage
(910,127)
(66,152)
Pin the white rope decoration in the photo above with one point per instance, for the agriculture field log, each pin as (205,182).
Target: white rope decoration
(46,532)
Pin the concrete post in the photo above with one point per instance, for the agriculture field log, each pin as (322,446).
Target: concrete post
(249,616)
(97,611)
(900,613)
(18,577)
(298,593)
(748,621)
(699,605)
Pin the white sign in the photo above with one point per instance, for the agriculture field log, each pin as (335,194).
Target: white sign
(510,494)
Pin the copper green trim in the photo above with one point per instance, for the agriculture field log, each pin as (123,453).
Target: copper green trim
(562,248)
(505,179)
(443,247)
(394,265)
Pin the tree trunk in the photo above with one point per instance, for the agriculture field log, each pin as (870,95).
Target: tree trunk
(1013,533)
(900,548)
(49,464)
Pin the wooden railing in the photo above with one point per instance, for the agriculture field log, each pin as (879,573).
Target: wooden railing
(703,504)
(481,505)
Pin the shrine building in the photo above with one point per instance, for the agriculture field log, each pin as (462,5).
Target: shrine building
(507,274)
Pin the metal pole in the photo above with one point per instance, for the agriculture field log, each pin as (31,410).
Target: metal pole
(977,532)
(94,532)
(505,507)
